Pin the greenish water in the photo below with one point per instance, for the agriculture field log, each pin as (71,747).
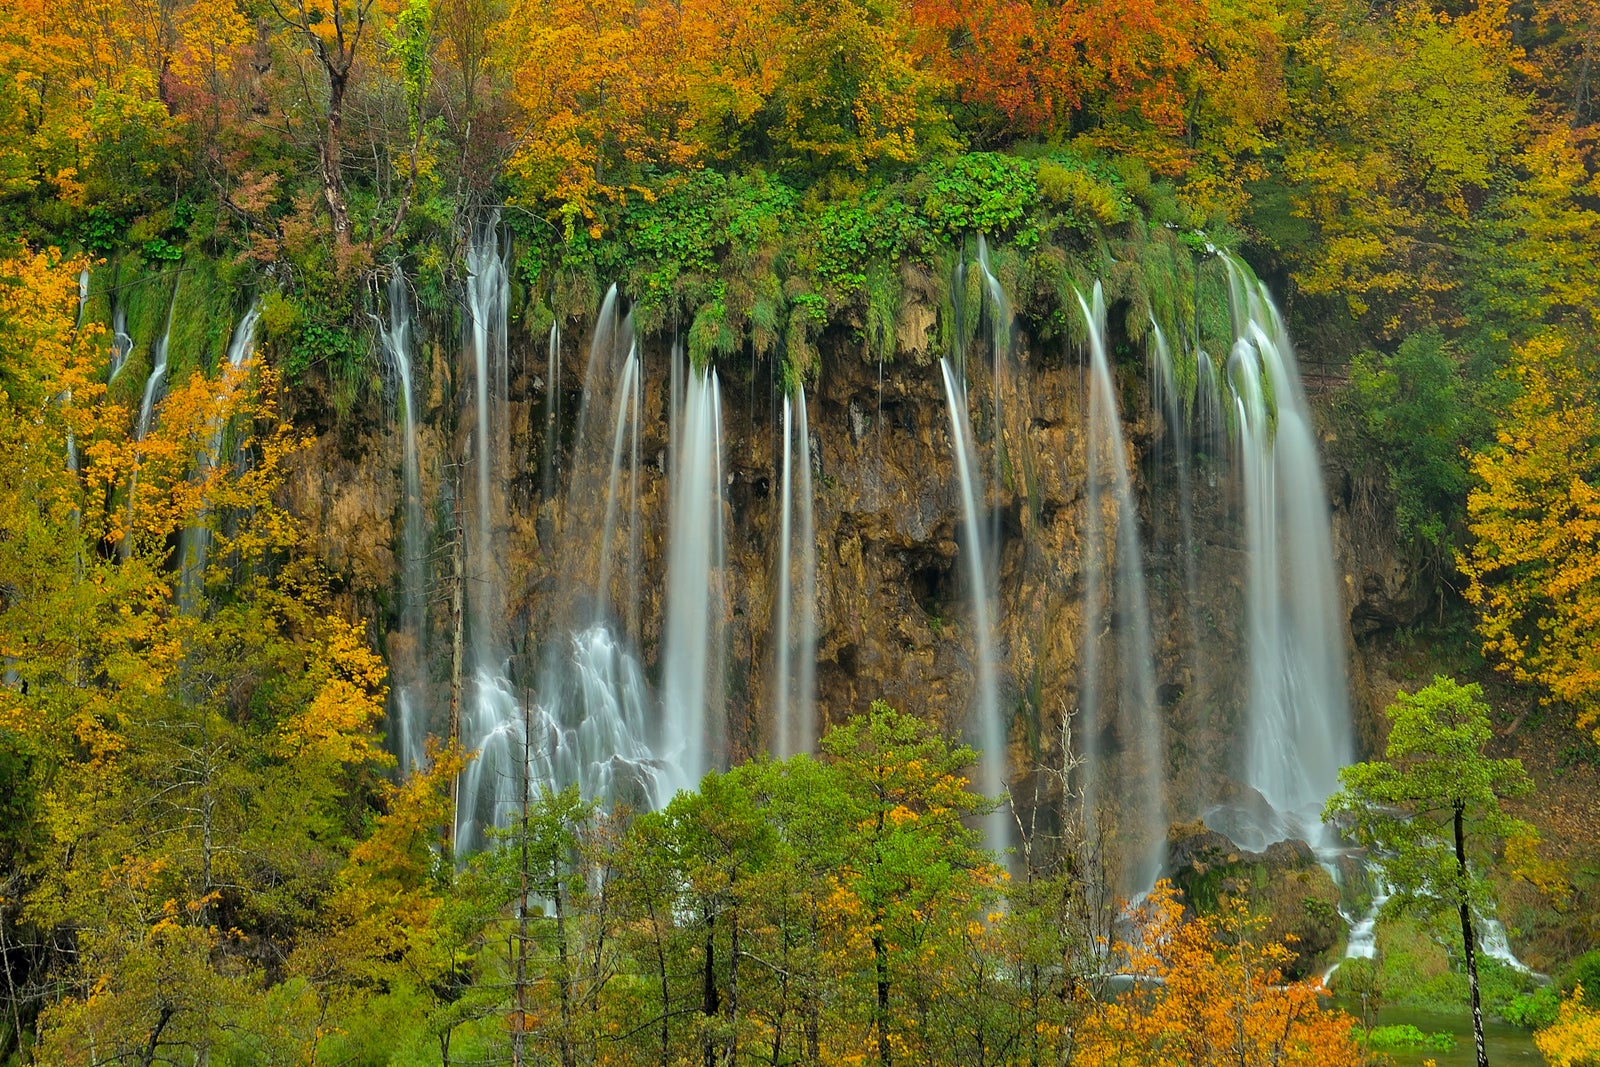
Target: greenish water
(1508,1046)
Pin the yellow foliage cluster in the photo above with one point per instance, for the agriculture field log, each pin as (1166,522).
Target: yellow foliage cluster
(1533,568)
(1573,1040)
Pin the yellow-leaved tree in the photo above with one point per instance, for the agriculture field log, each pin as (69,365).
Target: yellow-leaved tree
(1533,568)
(1209,991)
(189,773)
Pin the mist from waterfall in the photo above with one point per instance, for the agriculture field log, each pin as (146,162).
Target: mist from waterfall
(397,338)
(795,626)
(1125,789)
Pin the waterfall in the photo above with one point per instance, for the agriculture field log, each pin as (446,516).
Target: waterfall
(396,336)
(152,392)
(592,723)
(1000,330)
(121,342)
(1167,396)
(624,438)
(1124,750)
(492,723)
(1298,731)
(694,739)
(196,540)
(154,384)
(987,724)
(488,295)
(795,675)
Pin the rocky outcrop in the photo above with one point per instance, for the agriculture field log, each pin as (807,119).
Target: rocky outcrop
(894,607)
(1284,883)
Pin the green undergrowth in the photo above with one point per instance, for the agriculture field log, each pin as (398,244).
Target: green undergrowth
(745,267)
(1420,966)
(749,266)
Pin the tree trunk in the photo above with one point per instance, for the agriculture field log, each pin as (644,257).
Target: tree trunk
(457,620)
(519,1029)
(563,977)
(880,1017)
(733,991)
(333,156)
(709,1004)
(1468,944)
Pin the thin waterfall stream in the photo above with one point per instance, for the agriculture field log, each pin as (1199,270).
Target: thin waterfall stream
(986,724)
(397,337)
(1125,793)
(795,677)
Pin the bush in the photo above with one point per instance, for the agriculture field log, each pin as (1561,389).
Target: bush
(1534,1010)
(1583,971)
(1405,1037)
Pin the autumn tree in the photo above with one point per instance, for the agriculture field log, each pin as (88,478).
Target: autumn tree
(1207,991)
(1430,810)
(333,35)
(1533,569)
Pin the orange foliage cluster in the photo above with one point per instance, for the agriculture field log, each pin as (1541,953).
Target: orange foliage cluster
(844,86)
(1210,990)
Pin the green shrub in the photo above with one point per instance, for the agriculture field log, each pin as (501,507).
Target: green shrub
(1404,1038)
(1081,194)
(1584,971)
(1534,1010)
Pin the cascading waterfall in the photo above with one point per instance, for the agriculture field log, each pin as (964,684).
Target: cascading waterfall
(624,438)
(988,727)
(795,676)
(196,541)
(694,740)
(1167,395)
(1001,324)
(1298,731)
(153,387)
(397,338)
(156,383)
(491,723)
(1124,748)
(592,723)
(488,297)
(121,341)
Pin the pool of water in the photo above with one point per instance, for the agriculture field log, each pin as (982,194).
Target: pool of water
(1508,1046)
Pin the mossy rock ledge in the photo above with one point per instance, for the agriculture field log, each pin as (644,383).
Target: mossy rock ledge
(1284,882)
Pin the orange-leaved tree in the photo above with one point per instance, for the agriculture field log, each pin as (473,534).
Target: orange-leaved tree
(1209,990)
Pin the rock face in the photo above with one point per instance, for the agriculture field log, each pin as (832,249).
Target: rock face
(894,608)
(1284,882)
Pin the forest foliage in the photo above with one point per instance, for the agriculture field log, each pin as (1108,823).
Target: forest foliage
(202,851)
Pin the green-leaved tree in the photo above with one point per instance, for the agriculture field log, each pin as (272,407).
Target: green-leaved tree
(1432,806)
